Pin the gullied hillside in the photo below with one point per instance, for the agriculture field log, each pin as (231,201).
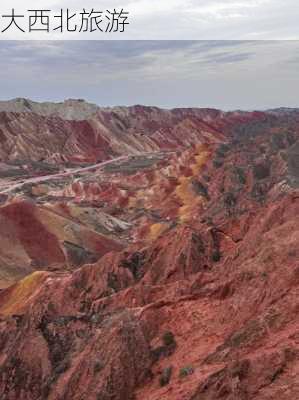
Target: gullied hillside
(171,273)
(78,132)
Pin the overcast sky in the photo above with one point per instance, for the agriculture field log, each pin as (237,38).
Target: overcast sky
(221,74)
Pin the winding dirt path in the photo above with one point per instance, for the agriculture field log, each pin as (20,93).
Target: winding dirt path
(39,179)
(44,178)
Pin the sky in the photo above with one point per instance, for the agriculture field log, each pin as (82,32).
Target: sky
(221,74)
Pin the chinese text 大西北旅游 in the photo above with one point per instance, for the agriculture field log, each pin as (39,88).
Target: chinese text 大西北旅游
(65,21)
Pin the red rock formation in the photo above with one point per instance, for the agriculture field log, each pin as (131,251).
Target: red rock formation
(37,238)
(201,299)
(79,132)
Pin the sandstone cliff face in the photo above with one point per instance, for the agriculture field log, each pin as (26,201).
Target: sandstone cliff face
(162,276)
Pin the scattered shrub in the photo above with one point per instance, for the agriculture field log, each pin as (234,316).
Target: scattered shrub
(168,347)
(185,371)
(216,256)
(168,338)
(165,376)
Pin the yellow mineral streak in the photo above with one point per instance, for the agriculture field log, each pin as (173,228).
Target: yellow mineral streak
(184,190)
(156,230)
(18,295)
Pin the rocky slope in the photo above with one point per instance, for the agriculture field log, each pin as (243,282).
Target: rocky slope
(79,132)
(167,275)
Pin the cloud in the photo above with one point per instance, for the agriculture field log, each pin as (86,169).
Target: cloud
(223,74)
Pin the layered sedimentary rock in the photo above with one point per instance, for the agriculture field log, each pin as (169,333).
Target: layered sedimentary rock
(169,274)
